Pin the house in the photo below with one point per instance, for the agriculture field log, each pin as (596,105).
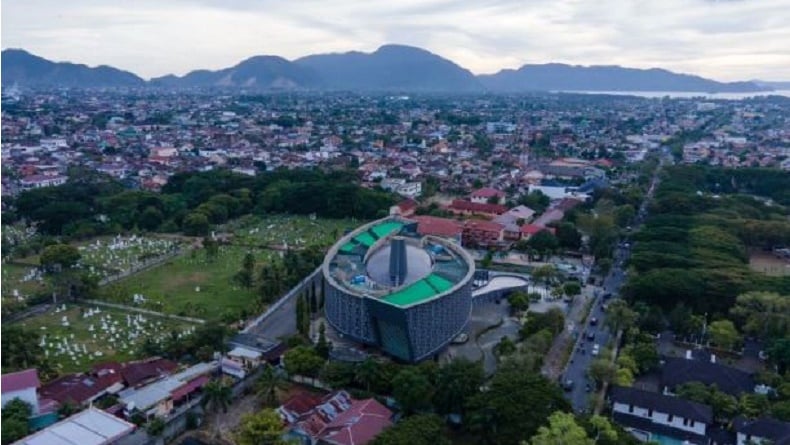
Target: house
(436,226)
(548,217)
(404,208)
(159,398)
(40,181)
(482,233)
(82,388)
(142,372)
(461,207)
(677,371)
(358,425)
(335,419)
(761,431)
(22,385)
(89,427)
(487,195)
(651,416)
(512,219)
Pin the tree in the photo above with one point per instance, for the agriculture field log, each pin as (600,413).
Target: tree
(269,383)
(59,256)
(216,398)
(196,224)
(562,429)
(245,275)
(151,218)
(303,360)
(572,288)
(13,429)
(723,334)
(763,314)
(496,415)
(368,373)
(568,237)
(156,426)
(602,370)
(323,347)
(620,316)
(422,429)
(412,390)
(262,428)
(645,355)
(544,242)
(603,429)
(519,301)
(457,382)
(211,247)
(505,347)
(19,352)
(17,409)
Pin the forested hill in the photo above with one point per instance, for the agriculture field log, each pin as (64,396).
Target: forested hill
(94,204)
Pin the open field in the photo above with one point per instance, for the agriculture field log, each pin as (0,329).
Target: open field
(767,263)
(80,336)
(192,285)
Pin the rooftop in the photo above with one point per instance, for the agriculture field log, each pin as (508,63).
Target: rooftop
(17,381)
(90,427)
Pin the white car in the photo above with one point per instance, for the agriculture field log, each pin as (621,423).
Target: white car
(596,349)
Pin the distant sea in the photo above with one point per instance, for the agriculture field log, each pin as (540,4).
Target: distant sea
(686,94)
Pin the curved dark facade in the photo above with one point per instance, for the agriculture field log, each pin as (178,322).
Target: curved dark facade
(410,322)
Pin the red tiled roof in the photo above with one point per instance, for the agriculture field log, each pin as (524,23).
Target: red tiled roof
(566,204)
(487,192)
(487,226)
(407,204)
(468,206)
(433,225)
(137,372)
(186,389)
(359,424)
(301,403)
(531,229)
(17,381)
(74,388)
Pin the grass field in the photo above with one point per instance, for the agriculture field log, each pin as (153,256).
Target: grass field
(75,347)
(768,264)
(192,285)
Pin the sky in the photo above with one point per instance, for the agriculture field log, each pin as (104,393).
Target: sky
(721,39)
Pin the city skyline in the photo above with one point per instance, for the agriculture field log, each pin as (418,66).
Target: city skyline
(722,40)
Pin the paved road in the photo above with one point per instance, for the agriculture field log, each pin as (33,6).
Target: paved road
(576,370)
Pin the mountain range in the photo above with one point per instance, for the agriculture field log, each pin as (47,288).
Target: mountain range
(393,68)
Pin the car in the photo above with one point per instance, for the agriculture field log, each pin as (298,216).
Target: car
(607,296)
(591,336)
(596,349)
(567,385)
(593,321)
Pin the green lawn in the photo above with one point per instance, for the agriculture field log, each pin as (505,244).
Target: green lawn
(192,285)
(74,347)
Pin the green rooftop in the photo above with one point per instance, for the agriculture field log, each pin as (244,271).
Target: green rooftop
(386,228)
(347,247)
(365,239)
(428,287)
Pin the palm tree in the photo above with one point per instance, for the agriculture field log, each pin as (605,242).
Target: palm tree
(217,397)
(269,383)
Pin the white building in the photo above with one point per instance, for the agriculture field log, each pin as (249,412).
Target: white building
(650,415)
(90,427)
(21,385)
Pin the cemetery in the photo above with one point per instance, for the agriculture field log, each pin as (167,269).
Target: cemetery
(105,257)
(75,336)
(291,231)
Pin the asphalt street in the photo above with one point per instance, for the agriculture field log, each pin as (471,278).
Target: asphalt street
(580,388)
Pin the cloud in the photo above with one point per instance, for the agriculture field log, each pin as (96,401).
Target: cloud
(727,40)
